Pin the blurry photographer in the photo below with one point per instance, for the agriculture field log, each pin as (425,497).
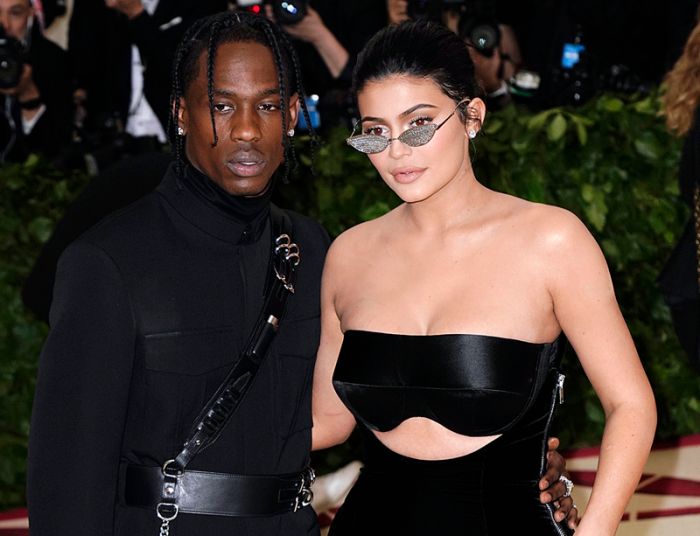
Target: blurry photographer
(493,48)
(481,24)
(122,51)
(327,36)
(34,87)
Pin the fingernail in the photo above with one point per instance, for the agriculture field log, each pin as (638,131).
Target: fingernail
(559,516)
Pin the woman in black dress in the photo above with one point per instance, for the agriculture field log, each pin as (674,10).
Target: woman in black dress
(443,320)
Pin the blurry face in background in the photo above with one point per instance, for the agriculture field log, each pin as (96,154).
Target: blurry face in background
(247,114)
(397,11)
(14,17)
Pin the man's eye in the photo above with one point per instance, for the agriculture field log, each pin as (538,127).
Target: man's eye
(270,107)
(222,107)
(374,131)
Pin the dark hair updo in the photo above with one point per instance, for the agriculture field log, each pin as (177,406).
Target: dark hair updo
(422,49)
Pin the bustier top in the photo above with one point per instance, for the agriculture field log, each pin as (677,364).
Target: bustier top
(475,385)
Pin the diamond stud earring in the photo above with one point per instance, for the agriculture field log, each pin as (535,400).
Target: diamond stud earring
(290,132)
(180,131)
(472,133)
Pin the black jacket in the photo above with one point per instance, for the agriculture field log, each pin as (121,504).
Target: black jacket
(150,310)
(100,42)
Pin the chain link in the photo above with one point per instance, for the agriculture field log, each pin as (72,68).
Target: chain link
(165,528)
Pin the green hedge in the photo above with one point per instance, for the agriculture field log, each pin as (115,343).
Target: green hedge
(610,161)
(33,196)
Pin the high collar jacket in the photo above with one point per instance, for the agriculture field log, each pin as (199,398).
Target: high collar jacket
(151,308)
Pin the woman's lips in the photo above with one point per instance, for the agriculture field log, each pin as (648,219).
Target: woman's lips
(406,175)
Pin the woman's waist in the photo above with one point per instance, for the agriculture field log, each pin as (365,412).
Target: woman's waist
(422,438)
(516,459)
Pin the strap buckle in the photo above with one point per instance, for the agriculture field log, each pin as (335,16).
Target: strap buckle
(163,514)
(167,509)
(287,258)
(304,494)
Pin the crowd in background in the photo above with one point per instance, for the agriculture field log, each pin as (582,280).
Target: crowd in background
(104,92)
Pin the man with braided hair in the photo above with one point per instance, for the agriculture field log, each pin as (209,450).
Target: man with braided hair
(153,306)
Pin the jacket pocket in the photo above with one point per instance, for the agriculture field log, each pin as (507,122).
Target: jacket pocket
(181,371)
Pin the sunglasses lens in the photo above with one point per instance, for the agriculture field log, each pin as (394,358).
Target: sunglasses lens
(417,136)
(368,144)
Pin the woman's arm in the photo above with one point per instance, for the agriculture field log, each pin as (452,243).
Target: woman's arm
(333,423)
(585,306)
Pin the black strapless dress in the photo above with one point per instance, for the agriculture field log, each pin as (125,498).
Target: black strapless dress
(474,385)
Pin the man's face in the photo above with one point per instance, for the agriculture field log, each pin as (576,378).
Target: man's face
(247,115)
(14,17)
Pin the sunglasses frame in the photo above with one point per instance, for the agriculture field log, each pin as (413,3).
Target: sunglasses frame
(364,142)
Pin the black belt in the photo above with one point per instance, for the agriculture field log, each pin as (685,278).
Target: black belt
(221,494)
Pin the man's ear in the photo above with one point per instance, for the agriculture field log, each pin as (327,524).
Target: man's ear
(181,116)
(294,110)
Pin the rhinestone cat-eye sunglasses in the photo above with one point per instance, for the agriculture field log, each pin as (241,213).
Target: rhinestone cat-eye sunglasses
(413,137)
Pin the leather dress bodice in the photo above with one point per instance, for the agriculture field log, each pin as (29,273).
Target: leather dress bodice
(475,385)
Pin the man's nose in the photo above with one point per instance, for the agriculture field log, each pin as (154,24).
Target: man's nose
(246,126)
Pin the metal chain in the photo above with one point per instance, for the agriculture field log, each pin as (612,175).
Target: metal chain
(696,212)
(165,528)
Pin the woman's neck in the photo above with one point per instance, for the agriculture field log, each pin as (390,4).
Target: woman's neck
(457,203)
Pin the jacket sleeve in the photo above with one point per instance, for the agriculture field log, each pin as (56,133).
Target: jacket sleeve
(81,399)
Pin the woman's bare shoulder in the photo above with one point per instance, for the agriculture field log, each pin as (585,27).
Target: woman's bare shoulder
(548,226)
(361,237)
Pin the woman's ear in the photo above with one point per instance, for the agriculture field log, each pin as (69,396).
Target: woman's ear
(475,113)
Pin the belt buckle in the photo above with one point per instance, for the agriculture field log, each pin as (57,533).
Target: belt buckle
(304,494)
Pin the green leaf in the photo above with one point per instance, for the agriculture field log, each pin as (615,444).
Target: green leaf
(587,192)
(41,228)
(556,128)
(581,133)
(612,104)
(492,126)
(647,146)
(537,121)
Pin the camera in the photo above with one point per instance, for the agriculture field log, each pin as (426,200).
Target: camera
(478,26)
(12,56)
(285,11)
(289,11)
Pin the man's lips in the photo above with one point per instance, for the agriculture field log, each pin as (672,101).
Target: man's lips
(246,164)
(408,174)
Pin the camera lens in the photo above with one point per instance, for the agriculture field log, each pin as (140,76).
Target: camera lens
(289,12)
(485,38)
(11,62)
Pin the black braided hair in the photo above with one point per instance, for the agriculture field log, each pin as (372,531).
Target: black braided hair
(235,27)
